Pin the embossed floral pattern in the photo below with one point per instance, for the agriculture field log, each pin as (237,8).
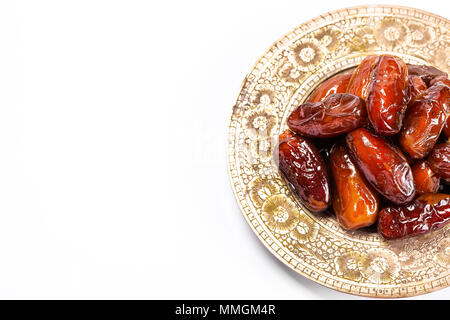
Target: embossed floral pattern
(307,55)
(262,98)
(306,230)
(261,189)
(408,253)
(347,264)
(280,213)
(259,123)
(390,32)
(410,260)
(443,254)
(380,265)
(290,73)
(419,34)
(329,38)
(363,39)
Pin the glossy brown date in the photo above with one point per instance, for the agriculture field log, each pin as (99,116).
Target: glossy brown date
(416,87)
(446,129)
(383,82)
(360,80)
(303,166)
(427,213)
(425,120)
(339,113)
(446,81)
(427,73)
(425,180)
(355,202)
(439,160)
(383,165)
(442,79)
(286,135)
(387,95)
(336,84)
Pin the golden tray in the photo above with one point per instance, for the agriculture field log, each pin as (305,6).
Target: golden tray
(314,245)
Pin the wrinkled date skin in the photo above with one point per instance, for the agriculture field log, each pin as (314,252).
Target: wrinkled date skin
(424,121)
(446,129)
(427,73)
(355,202)
(427,213)
(442,79)
(416,87)
(286,135)
(384,167)
(388,95)
(373,143)
(336,84)
(439,160)
(446,81)
(337,114)
(360,80)
(303,166)
(425,179)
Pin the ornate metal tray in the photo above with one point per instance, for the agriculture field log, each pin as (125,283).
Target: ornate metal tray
(359,262)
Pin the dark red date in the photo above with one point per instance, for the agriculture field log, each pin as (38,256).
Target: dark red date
(427,213)
(302,165)
(425,180)
(427,73)
(383,82)
(387,96)
(362,76)
(446,81)
(416,87)
(339,113)
(442,79)
(384,167)
(439,160)
(355,202)
(336,84)
(446,129)
(377,133)
(286,135)
(424,121)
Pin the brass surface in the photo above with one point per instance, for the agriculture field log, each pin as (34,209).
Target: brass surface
(357,262)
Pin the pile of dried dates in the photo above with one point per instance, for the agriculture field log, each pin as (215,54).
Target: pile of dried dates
(373,145)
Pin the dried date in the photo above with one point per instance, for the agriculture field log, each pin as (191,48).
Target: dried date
(439,160)
(416,87)
(446,129)
(302,165)
(336,84)
(427,213)
(387,95)
(446,81)
(424,121)
(361,78)
(355,202)
(339,113)
(425,179)
(383,165)
(286,135)
(442,79)
(427,73)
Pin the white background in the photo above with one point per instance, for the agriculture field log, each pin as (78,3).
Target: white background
(113,178)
